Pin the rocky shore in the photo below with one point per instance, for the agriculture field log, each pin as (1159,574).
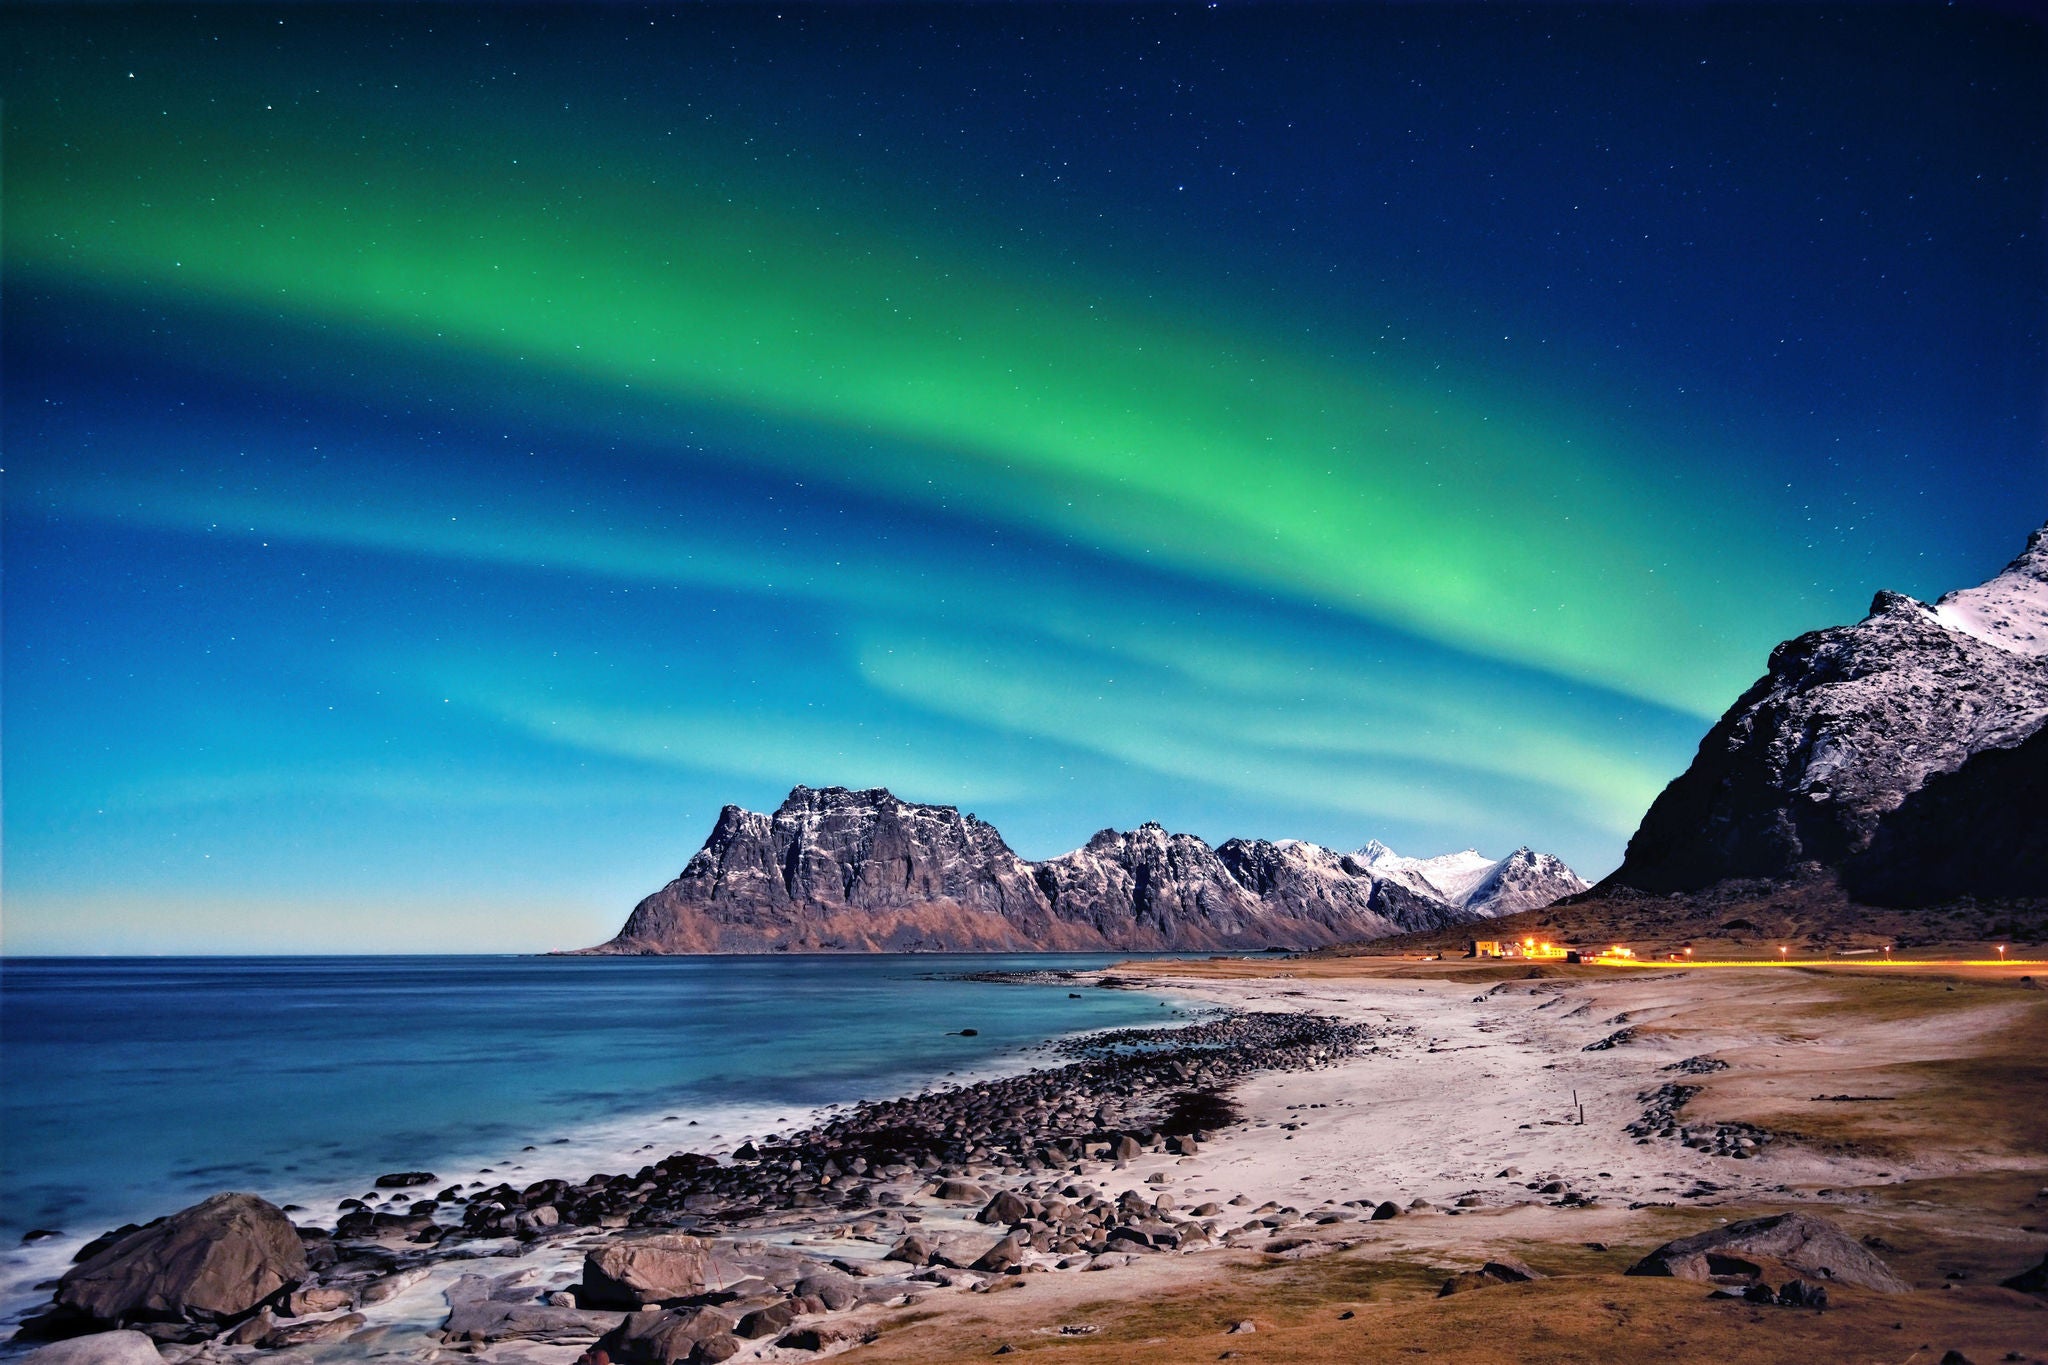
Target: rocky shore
(702,1256)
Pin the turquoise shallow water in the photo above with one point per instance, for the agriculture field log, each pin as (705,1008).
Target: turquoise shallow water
(130,1087)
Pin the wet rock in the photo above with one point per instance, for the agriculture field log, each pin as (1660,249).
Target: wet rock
(100,1348)
(1803,1241)
(1005,1209)
(251,1331)
(671,1337)
(318,1299)
(959,1192)
(1387,1209)
(214,1262)
(811,1339)
(474,1316)
(632,1271)
(401,1180)
(315,1332)
(389,1287)
(766,1322)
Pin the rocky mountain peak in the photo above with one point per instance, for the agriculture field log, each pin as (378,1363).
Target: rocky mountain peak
(1374,851)
(1847,726)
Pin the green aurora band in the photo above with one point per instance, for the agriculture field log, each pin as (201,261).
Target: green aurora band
(958,383)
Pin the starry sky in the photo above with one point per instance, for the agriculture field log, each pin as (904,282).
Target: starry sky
(451,451)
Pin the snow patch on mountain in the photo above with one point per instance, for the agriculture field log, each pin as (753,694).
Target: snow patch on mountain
(2009,612)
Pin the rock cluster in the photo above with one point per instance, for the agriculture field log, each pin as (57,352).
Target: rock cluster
(1739,1141)
(1128,1091)
(862,871)
(1504,1270)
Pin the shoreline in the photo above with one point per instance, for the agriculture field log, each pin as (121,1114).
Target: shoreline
(624,1139)
(546,1148)
(1098,1099)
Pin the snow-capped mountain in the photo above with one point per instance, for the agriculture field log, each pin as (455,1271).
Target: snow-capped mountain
(864,871)
(1897,751)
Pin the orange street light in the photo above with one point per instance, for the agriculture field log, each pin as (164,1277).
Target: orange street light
(1781,950)
(2001,952)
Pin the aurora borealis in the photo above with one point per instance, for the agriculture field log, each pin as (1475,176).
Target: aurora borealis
(452,451)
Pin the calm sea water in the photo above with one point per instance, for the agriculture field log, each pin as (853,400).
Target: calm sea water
(131,1087)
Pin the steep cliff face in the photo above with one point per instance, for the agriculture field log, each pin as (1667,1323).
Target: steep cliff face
(1847,726)
(849,871)
(846,871)
(1980,831)
(1321,890)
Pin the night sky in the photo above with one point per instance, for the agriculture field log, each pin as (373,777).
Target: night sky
(450,452)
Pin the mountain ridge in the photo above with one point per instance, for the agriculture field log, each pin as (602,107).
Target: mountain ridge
(838,870)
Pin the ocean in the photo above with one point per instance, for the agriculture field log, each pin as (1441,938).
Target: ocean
(130,1087)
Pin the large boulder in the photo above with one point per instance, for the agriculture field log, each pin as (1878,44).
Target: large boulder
(672,1337)
(214,1262)
(1802,1241)
(914,1249)
(634,1271)
(1007,1209)
(101,1348)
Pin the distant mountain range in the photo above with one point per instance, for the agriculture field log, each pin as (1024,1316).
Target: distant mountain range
(834,870)
(1906,754)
